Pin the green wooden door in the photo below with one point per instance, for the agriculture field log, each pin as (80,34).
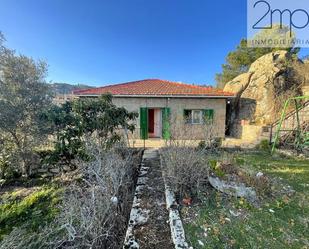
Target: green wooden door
(166,133)
(143,116)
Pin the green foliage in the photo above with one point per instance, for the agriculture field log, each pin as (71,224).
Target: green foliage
(201,145)
(212,163)
(68,129)
(239,161)
(239,61)
(215,168)
(6,150)
(102,116)
(264,145)
(36,210)
(72,121)
(23,95)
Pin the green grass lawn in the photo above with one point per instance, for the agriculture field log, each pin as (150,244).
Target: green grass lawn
(229,222)
(28,207)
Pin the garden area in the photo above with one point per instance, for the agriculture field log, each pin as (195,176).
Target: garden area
(85,208)
(67,176)
(240,198)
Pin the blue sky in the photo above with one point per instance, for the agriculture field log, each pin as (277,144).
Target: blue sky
(109,41)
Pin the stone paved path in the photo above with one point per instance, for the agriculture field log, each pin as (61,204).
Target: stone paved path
(149,227)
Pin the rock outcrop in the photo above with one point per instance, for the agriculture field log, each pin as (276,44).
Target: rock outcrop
(305,90)
(268,78)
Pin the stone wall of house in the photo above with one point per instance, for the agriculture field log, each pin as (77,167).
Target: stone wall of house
(177,106)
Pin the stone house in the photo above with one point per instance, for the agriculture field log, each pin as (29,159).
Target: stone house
(169,109)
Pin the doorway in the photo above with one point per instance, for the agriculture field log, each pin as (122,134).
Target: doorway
(228,118)
(154,123)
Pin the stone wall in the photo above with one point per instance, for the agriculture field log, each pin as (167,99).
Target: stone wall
(177,106)
(255,133)
(249,136)
(50,170)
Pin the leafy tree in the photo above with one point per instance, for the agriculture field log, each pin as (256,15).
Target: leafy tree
(23,95)
(68,131)
(72,121)
(239,61)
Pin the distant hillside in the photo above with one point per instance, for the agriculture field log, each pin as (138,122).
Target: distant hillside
(65,88)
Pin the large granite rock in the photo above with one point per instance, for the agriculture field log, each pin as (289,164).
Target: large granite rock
(305,90)
(257,89)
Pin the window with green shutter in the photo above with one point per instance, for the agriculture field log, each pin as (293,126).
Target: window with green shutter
(209,116)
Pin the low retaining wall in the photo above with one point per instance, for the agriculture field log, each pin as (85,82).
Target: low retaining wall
(248,136)
(177,230)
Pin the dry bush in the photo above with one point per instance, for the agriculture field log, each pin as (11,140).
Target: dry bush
(186,170)
(186,166)
(228,168)
(188,135)
(91,212)
(94,210)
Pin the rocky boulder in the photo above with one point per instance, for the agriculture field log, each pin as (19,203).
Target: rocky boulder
(257,90)
(305,90)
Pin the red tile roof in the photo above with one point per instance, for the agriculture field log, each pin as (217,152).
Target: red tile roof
(154,87)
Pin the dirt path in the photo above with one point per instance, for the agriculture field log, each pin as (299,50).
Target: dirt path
(149,217)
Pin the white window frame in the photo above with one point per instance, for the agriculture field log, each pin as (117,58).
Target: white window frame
(200,113)
(191,117)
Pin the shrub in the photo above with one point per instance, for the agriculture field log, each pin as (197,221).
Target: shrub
(264,145)
(8,169)
(201,145)
(89,216)
(186,170)
(74,121)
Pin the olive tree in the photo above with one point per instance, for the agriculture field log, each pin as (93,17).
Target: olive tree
(23,95)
